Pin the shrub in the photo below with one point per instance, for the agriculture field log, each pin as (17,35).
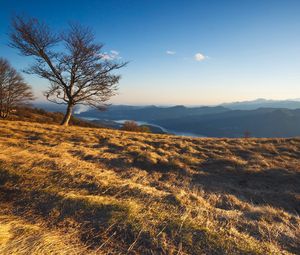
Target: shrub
(132,126)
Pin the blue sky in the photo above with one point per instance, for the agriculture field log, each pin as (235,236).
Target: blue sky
(182,52)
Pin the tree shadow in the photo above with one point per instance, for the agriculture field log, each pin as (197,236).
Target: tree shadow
(54,210)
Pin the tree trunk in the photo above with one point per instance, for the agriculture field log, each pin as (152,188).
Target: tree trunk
(3,115)
(67,116)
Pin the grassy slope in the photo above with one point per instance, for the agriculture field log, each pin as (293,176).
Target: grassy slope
(91,191)
(42,116)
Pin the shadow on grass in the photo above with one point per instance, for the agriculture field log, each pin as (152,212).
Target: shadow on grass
(92,218)
(6,176)
(276,187)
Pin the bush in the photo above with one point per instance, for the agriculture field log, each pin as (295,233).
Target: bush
(132,126)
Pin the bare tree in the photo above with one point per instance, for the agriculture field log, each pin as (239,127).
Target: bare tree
(78,71)
(14,91)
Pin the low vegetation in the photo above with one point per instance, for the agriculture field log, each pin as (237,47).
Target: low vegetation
(41,116)
(94,191)
(134,127)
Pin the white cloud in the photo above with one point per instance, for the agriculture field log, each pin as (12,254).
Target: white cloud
(115,53)
(199,57)
(112,55)
(170,52)
(105,56)
(81,108)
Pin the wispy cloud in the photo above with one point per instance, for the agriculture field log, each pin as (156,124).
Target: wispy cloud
(81,108)
(199,57)
(170,52)
(112,55)
(114,52)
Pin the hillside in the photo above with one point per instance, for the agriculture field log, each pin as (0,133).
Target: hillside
(210,121)
(41,116)
(151,113)
(93,191)
(263,122)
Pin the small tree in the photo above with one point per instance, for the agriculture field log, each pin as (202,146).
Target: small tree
(134,127)
(13,89)
(130,125)
(78,71)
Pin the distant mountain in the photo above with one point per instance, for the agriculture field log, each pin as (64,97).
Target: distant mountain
(227,120)
(179,109)
(150,113)
(50,107)
(260,103)
(263,122)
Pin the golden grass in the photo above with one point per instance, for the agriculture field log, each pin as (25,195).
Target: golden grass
(91,191)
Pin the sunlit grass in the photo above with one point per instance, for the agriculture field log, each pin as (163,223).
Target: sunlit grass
(84,191)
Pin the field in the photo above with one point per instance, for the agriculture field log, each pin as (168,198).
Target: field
(80,190)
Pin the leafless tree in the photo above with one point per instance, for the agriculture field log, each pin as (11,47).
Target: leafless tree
(78,71)
(14,91)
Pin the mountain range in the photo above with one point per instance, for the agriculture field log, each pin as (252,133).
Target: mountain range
(258,118)
(261,103)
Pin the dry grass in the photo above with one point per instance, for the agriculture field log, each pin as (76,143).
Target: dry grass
(91,191)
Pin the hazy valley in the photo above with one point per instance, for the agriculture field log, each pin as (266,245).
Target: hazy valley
(212,121)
